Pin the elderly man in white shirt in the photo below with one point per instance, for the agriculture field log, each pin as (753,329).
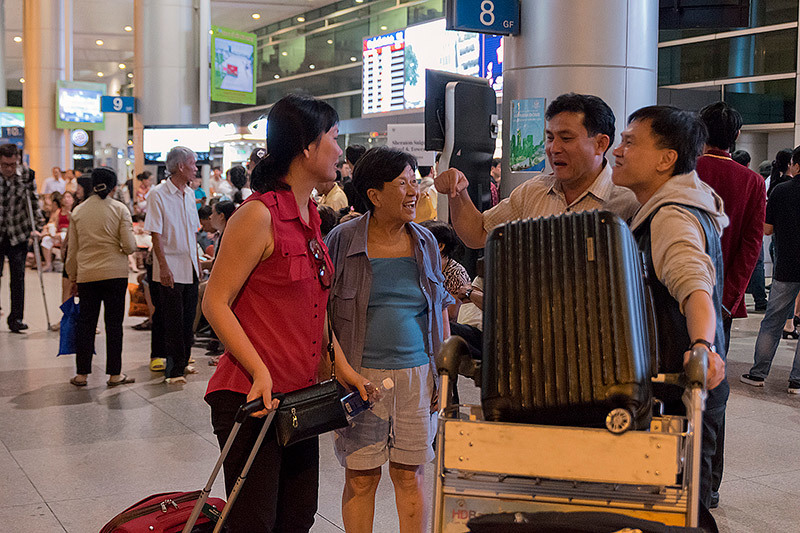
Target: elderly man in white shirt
(56,183)
(173,223)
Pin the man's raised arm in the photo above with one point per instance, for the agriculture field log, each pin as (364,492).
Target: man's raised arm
(466,219)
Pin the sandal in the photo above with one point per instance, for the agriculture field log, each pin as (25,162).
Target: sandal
(124,381)
(790,334)
(78,382)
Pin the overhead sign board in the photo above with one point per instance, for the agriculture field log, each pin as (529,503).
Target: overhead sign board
(500,17)
(118,104)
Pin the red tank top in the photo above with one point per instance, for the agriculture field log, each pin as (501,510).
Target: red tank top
(63,220)
(281,306)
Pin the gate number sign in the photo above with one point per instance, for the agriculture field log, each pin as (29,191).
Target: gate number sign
(117,104)
(498,17)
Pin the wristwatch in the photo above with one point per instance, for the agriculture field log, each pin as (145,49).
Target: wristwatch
(705,343)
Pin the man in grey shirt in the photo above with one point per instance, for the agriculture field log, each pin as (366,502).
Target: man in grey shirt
(579,130)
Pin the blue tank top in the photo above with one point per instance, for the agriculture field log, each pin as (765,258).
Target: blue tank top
(396,316)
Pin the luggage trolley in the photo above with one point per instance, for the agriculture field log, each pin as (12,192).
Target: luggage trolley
(495,467)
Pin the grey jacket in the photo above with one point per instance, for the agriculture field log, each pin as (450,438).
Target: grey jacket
(352,283)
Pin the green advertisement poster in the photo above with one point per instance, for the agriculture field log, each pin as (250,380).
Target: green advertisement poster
(78,105)
(233,67)
(526,151)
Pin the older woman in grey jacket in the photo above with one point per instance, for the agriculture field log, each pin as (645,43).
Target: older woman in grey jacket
(100,239)
(389,311)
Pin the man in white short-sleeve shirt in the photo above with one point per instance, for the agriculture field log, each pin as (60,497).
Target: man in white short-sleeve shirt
(56,183)
(579,130)
(173,223)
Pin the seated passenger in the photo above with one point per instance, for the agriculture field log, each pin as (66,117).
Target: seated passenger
(678,229)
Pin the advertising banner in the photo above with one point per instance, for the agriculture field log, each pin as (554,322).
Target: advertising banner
(526,135)
(233,66)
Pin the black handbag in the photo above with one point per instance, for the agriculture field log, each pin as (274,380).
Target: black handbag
(313,410)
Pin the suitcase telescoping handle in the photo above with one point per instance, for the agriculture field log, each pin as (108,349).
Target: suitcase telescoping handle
(452,354)
(695,400)
(241,415)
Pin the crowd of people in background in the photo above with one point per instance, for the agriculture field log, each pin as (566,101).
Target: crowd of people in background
(392,279)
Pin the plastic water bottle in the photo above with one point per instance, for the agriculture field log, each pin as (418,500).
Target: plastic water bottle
(354,405)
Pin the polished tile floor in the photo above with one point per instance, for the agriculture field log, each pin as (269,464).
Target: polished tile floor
(72,458)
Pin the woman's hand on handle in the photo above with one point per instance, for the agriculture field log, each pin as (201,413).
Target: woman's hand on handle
(262,387)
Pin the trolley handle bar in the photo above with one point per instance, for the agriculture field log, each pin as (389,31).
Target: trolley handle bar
(253,406)
(453,350)
(697,367)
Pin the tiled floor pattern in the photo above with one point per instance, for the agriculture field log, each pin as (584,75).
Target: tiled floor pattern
(72,458)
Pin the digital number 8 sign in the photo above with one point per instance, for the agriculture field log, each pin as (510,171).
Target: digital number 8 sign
(487,12)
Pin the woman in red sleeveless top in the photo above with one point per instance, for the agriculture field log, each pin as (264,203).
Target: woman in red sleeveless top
(266,300)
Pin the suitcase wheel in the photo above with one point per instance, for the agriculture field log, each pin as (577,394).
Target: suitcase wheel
(619,420)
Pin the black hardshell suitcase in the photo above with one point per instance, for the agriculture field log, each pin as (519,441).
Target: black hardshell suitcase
(566,331)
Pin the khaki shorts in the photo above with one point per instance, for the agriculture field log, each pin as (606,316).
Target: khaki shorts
(399,428)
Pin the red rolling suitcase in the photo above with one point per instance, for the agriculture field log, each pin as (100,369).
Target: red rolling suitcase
(190,512)
(567,340)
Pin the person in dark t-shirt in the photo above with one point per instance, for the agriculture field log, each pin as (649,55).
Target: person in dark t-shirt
(782,220)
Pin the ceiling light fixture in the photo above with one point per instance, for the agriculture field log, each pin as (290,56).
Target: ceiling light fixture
(122,66)
(17,39)
(256,16)
(22,80)
(130,74)
(130,142)
(99,42)
(353,59)
(330,41)
(384,28)
(277,76)
(128,28)
(312,67)
(100,74)
(284,54)
(301,19)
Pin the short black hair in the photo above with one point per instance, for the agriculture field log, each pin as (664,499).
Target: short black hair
(742,157)
(9,150)
(238,176)
(446,236)
(496,162)
(425,170)
(328,217)
(354,152)
(675,129)
(598,118)
(796,156)
(378,166)
(204,212)
(225,208)
(723,124)
(104,179)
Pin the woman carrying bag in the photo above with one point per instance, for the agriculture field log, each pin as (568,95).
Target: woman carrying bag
(100,238)
(266,300)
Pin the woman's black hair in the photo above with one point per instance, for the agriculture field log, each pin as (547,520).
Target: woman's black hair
(103,180)
(293,123)
(56,199)
(85,183)
(225,208)
(378,166)
(781,163)
(328,217)
(446,236)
